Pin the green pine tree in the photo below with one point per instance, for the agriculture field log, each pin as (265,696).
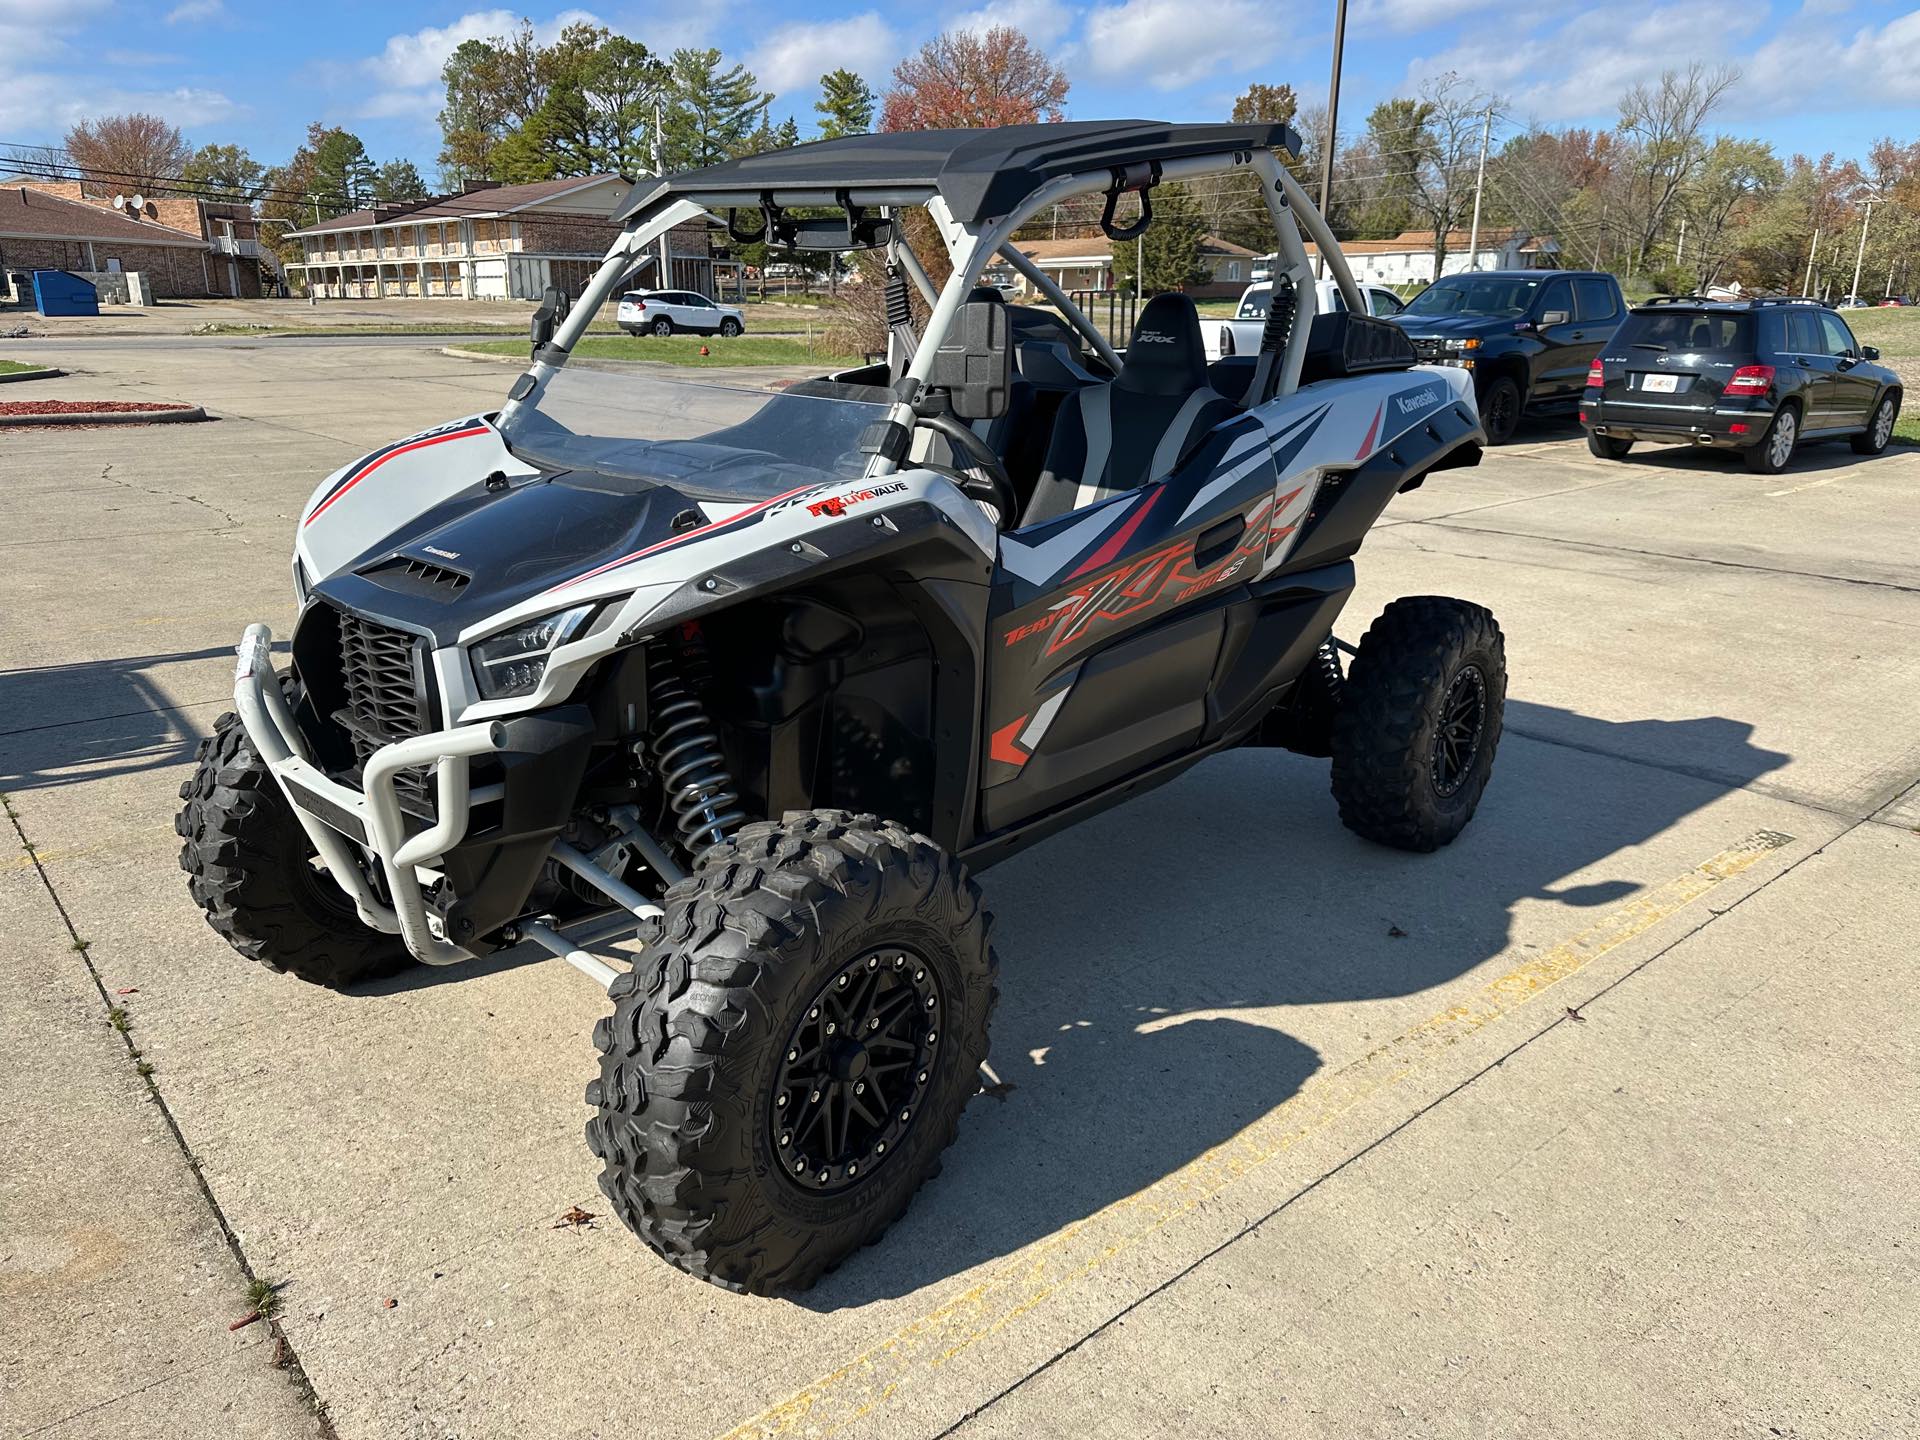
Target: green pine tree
(845,105)
(1169,252)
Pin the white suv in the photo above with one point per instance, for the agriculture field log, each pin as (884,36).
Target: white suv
(661,312)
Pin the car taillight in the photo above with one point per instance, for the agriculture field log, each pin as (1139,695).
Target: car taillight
(1596,377)
(1226,340)
(1749,380)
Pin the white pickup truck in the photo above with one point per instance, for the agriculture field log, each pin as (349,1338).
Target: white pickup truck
(1241,334)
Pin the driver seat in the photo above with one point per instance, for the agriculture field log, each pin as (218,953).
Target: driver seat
(1129,432)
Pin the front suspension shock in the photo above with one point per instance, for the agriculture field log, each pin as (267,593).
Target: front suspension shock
(693,769)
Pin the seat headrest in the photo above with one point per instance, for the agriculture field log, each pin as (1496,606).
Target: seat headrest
(987,293)
(1166,355)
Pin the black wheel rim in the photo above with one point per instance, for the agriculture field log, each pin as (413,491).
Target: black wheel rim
(1456,736)
(855,1070)
(1500,411)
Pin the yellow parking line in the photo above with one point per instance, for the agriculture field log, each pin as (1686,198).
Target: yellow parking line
(1044,1269)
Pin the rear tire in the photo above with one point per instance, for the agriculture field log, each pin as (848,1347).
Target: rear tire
(250,868)
(1606,447)
(792,925)
(1775,450)
(1879,431)
(662,326)
(1419,722)
(1500,409)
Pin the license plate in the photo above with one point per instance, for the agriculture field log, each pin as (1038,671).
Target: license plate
(1661,384)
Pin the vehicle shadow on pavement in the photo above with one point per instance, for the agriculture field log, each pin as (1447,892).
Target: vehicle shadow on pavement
(1810,458)
(1152,959)
(96,719)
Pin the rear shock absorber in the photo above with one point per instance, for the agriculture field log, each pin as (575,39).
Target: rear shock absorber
(693,771)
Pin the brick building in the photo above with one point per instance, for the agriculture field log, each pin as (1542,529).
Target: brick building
(40,231)
(235,261)
(490,242)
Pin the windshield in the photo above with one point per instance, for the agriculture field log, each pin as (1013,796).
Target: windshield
(709,441)
(1492,295)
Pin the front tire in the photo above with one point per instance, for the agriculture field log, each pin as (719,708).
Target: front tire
(252,870)
(1775,450)
(735,1142)
(730,328)
(1419,722)
(1879,431)
(1500,409)
(1605,447)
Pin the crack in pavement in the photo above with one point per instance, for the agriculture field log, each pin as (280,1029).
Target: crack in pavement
(294,1369)
(107,475)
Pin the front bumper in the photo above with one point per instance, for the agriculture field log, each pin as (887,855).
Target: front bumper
(336,816)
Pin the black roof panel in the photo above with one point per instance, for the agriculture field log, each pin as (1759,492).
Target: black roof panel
(980,173)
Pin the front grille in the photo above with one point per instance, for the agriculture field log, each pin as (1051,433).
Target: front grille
(1429,349)
(385,701)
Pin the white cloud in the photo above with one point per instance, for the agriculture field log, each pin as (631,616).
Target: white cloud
(1409,17)
(1877,64)
(195,10)
(791,58)
(1170,44)
(405,75)
(1044,22)
(51,104)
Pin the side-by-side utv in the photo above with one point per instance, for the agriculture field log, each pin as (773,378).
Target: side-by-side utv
(759,676)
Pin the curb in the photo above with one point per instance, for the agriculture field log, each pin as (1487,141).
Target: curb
(458,354)
(109,417)
(47,374)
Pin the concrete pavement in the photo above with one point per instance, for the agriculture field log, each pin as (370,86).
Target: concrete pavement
(1299,1136)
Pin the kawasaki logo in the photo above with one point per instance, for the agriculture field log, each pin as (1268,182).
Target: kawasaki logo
(1418,401)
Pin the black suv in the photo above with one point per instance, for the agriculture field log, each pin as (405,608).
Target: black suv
(1528,336)
(1758,376)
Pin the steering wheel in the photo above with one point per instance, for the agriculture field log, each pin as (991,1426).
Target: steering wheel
(987,481)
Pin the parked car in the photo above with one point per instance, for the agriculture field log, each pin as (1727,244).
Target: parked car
(1528,336)
(662,312)
(1850,302)
(1241,334)
(1757,376)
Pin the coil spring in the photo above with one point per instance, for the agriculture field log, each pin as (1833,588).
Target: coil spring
(693,771)
(899,304)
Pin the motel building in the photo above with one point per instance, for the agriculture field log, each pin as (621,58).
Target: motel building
(490,242)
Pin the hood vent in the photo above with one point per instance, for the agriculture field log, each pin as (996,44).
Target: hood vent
(411,576)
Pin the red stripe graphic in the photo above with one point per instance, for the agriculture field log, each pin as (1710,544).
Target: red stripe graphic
(1119,537)
(708,528)
(1003,747)
(320,509)
(1372,430)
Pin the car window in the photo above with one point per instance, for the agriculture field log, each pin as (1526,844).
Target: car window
(1253,305)
(1385,302)
(1339,301)
(1687,330)
(1492,295)
(1593,300)
(1558,296)
(1839,338)
(1803,334)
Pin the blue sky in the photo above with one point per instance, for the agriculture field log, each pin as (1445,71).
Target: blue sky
(1818,74)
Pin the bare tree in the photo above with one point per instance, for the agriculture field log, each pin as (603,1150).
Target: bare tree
(1664,121)
(1443,152)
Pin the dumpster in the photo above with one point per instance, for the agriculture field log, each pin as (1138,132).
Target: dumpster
(56,292)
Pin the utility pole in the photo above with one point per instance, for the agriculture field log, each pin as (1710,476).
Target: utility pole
(1333,126)
(664,279)
(1479,184)
(1806,287)
(1861,255)
(1680,249)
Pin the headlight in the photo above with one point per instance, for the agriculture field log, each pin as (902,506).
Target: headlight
(1460,347)
(512,662)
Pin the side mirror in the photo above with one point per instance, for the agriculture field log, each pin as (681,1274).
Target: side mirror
(974,363)
(1553,317)
(553,309)
(1870,352)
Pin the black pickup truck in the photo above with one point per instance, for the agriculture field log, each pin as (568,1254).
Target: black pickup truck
(1528,336)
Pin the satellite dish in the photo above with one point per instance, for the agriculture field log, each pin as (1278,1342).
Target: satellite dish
(119,202)
(140,203)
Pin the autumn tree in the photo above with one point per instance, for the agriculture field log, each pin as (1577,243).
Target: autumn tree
(127,152)
(845,106)
(974,78)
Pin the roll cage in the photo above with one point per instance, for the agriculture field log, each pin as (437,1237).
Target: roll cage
(979,187)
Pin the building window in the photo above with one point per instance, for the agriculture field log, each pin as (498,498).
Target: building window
(1233,270)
